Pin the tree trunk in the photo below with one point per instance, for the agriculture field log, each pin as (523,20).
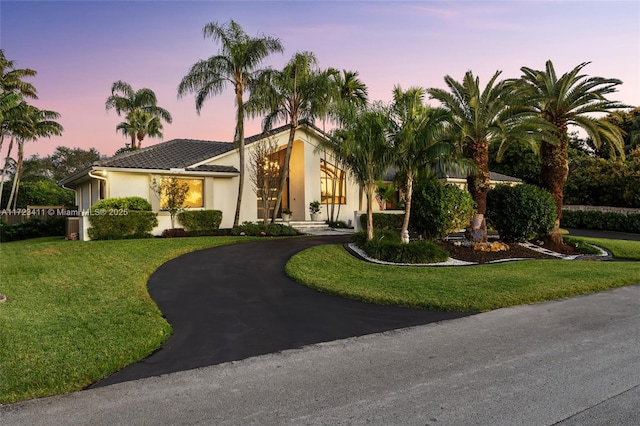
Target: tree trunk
(370,192)
(285,168)
(6,166)
(404,232)
(554,172)
(13,197)
(240,141)
(479,185)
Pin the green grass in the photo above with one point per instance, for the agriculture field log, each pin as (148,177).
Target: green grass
(621,249)
(79,311)
(471,289)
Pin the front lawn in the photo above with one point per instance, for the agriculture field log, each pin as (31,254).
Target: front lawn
(470,288)
(79,311)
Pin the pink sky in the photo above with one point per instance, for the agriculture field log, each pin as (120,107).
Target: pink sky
(79,48)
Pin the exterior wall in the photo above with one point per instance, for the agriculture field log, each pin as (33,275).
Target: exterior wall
(122,184)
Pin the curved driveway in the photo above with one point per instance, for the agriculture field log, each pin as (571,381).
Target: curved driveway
(233,302)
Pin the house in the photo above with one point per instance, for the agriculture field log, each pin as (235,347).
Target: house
(212,171)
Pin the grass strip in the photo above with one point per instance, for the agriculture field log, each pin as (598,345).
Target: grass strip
(478,288)
(77,312)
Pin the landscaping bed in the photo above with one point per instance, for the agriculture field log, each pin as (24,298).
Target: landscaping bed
(468,254)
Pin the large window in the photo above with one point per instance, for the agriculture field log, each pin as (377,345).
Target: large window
(194,198)
(333,184)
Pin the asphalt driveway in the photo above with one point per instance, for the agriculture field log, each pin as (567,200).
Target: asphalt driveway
(234,302)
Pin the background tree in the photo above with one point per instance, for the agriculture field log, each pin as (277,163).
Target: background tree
(554,103)
(294,94)
(236,64)
(63,162)
(140,124)
(133,102)
(476,122)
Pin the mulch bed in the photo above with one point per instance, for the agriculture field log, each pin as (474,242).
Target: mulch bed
(468,254)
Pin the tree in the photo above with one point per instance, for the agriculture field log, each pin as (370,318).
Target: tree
(236,63)
(140,124)
(416,132)
(553,104)
(35,124)
(362,144)
(476,122)
(62,163)
(264,172)
(295,94)
(132,103)
(172,193)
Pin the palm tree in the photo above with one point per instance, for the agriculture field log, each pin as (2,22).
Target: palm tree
(477,120)
(35,123)
(295,94)
(416,132)
(362,145)
(236,64)
(126,100)
(553,104)
(140,124)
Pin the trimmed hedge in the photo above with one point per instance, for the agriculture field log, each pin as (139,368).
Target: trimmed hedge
(605,221)
(200,220)
(31,228)
(383,221)
(262,230)
(521,212)
(386,246)
(121,218)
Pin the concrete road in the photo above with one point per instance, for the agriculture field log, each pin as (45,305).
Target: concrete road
(567,362)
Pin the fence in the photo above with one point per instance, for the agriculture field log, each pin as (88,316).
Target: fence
(11,217)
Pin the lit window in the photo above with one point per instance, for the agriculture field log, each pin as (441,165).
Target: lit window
(194,195)
(332,184)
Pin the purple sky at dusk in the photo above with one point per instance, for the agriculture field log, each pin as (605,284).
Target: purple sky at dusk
(79,48)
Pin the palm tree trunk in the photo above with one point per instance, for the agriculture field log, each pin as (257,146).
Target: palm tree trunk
(285,168)
(404,232)
(240,141)
(13,197)
(479,185)
(370,191)
(554,173)
(6,166)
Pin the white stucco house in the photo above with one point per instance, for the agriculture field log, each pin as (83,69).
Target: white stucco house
(211,170)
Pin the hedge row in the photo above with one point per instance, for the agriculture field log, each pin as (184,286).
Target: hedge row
(606,221)
(200,220)
(383,221)
(386,246)
(31,228)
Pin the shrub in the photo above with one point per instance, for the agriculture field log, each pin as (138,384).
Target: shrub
(521,212)
(383,221)
(200,220)
(438,210)
(609,221)
(262,230)
(120,218)
(31,228)
(386,246)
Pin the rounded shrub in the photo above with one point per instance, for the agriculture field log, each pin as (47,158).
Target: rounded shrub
(521,212)
(120,218)
(200,220)
(386,246)
(438,210)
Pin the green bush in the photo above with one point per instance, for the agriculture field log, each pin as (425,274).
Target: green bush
(386,246)
(608,221)
(200,220)
(438,210)
(31,228)
(262,230)
(121,218)
(383,221)
(521,212)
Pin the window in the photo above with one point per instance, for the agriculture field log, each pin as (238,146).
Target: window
(194,198)
(333,185)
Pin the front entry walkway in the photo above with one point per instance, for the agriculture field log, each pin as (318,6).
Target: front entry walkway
(234,302)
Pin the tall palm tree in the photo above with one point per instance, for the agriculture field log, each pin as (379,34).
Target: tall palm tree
(140,124)
(236,63)
(36,123)
(477,120)
(362,145)
(553,104)
(416,132)
(126,100)
(294,94)
(13,87)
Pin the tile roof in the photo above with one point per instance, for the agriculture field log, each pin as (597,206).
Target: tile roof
(182,153)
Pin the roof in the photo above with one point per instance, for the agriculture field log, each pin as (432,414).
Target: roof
(495,177)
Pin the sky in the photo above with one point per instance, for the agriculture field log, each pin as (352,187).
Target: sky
(79,48)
